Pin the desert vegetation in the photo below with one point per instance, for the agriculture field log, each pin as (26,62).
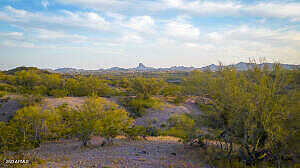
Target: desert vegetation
(248,118)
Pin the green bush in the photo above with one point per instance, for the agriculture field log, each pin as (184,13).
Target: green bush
(7,87)
(8,138)
(28,100)
(153,131)
(137,106)
(26,128)
(144,88)
(256,109)
(181,126)
(3,93)
(134,132)
(40,90)
(98,117)
(179,99)
(58,93)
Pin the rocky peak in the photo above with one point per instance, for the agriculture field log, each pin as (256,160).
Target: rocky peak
(141,65)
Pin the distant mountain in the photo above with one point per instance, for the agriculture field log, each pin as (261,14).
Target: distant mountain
(242,66)
(211,67)
(114,69)
(142,67)
(177,68)
(68,70)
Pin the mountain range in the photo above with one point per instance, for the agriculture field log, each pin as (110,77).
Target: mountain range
(242,66)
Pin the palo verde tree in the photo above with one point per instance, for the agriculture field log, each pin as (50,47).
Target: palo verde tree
(253,109)
(145,88)
(97,117)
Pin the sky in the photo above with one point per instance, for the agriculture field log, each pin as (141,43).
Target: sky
(94,34)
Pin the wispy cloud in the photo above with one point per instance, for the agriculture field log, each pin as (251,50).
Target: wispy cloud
(45,3)
(189,32)
(65,18)
(267,9)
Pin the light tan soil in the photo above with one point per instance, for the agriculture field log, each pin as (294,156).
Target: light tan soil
(155,153)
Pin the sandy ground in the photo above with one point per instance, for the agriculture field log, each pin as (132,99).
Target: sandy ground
(158,117)
(71,101)
(157,152)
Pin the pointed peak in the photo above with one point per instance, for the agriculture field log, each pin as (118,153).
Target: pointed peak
(141,65)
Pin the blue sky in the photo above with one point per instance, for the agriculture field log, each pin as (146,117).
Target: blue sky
(95,34)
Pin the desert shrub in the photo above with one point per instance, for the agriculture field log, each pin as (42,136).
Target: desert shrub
(29,123)
(134,132)
(2,93)
(179,99)
(153,131)
(253,109)
(172,90)
(181,126)
(181,121)
(7,87)
(8,137)
(55,125)
(29,127)
(137,106)
(28,100)
(72,85)
(144,88)
(58,93)
(28,79)
(98,117)
(87,86)
(40,90)
(62,121)
(174,93)
(196,83)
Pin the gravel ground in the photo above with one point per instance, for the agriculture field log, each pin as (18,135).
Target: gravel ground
(8,109)
(158,117)
(71,101)
(157,152)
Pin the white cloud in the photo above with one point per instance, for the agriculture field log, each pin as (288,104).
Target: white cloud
(12,35)
(66,18)
(19,44)
(116,16)
(132,38)
(141,24)
(45,34)
(84,19)
(45,3)
(17,12)
(96,4)
(191,45)
(204,7)
(274,10)
(181,30)
(235,8)
(263,35)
